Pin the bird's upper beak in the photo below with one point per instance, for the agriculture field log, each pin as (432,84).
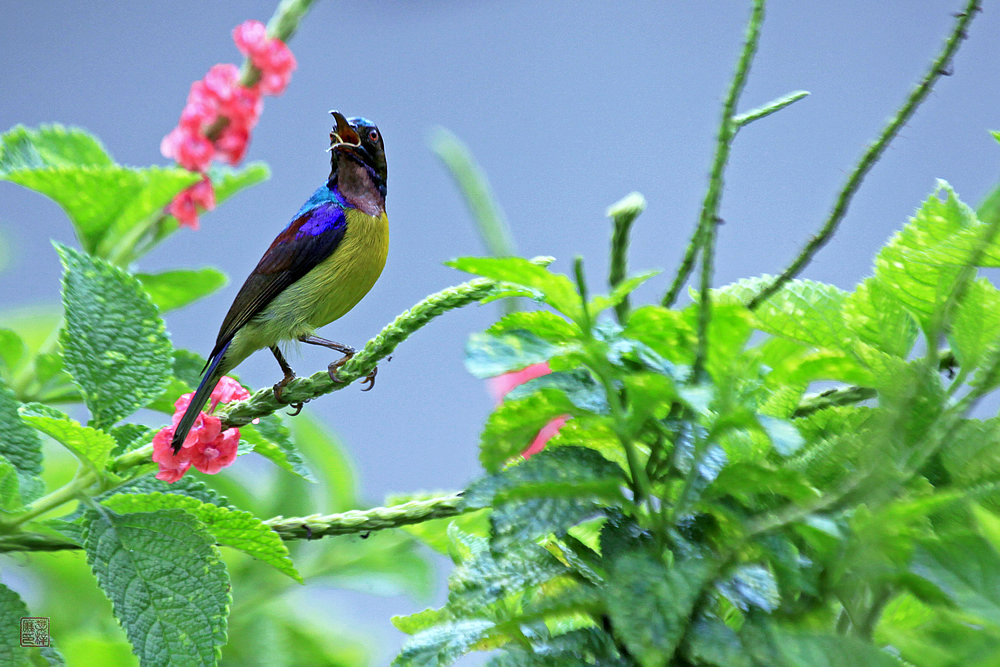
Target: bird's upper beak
(343,135)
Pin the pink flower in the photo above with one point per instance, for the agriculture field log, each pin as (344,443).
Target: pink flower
(185,205)
(217,454)
(191,150)
(501,385)
(207,447)
(218,102)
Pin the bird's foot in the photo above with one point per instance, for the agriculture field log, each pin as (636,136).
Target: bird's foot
(279,389)
(335,366)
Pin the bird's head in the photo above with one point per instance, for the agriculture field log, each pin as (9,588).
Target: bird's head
(358,139)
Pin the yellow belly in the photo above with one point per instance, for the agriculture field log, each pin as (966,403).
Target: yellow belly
(326,293)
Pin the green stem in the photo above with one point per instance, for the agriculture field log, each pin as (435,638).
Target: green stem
(623,213)
(938,68)
(85,478)
(263,403)
(708,223)
(771,107)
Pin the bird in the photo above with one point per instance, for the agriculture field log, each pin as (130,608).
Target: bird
(317,269)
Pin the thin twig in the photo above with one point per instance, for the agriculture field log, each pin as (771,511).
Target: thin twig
(938,68)
(710,208)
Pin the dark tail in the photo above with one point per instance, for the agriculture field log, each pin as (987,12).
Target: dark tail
(208,382)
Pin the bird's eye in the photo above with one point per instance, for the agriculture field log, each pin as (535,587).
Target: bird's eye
(373,135)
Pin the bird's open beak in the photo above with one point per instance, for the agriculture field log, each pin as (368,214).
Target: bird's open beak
(343,135)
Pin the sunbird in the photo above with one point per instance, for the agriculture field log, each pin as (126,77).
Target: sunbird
(318,268)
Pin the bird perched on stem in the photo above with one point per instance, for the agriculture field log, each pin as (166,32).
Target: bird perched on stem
(315,270)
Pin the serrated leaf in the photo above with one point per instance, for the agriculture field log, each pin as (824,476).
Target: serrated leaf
(106,202)
(168,587)
(189,486)
(115,343)
(19,443)
(578,385)
(174,289)
(668,332)
(130,436)
(802,310)
(966,569)
(542,323)
(12,609)
(188,367)
(650,605)
(975,328)
(49,145)
(877,318)
(514,424)
(490,355)
(555,289)
(442,644)
(917,266)
(270,439)
(553,490)
(92,446)
(488,577)
(231,527)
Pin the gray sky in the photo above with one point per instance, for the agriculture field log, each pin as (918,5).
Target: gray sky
(567,105)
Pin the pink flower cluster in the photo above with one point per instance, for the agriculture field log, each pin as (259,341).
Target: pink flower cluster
(502,384)
(207,447)
(220,113)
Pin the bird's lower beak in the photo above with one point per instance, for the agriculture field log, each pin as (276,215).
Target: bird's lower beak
(343,134)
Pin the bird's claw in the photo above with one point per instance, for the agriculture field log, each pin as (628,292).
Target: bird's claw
(279,389)
(370,379)
(335,366)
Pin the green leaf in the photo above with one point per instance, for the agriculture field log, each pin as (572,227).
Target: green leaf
(489,577)
(514,424)
(189,486)
(920,265)
(226,181)
(10,487)
(230,527)
(490,355)
(877,318)
(173,289)
(270,439)
(168,587)
(650,605)
(442,644)
(553,490)
(771,645)
(578,385)
(712,642)
(19,443)
(92,446)
(975,328)
(966,569)
(555,289)
(12,350)
(751,586)
(115,344)
(582,646)
(12,609)
(542,323)
(668,332)
(619,293)
(188,367)
(49,145)
(802,310)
